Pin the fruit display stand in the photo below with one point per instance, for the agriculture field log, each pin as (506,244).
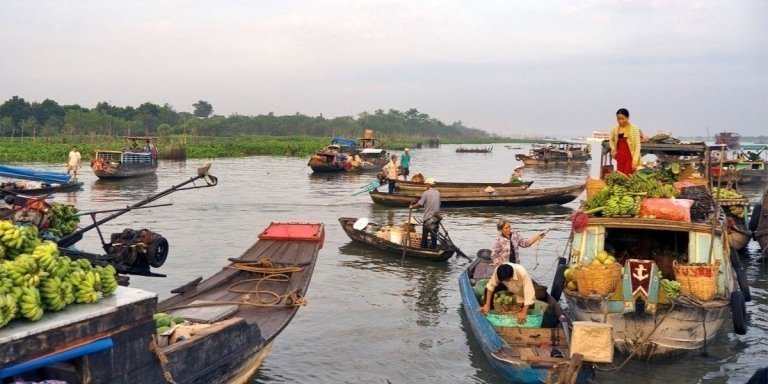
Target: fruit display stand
(117,325)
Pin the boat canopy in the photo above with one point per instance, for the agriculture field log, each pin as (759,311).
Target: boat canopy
(343,142)
(372,150)
(34,175)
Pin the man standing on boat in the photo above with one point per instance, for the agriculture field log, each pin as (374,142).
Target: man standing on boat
(391,171)
(74,161)
(430,222)
(517,281)
(405,163)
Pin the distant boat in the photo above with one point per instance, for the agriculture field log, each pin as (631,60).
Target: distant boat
(599,136)
(730,139)
(365,154)
(128,162)
(474,150)
(556,153)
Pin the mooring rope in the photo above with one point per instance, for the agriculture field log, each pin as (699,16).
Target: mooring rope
(163,360)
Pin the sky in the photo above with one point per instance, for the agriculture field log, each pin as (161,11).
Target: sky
(512,68)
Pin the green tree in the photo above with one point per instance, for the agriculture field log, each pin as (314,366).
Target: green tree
(17,109)
(203,109)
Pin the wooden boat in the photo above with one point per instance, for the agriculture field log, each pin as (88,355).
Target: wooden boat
(647,320)
(556,153)
(128,162)
(474,150)
(445,186)
(236,315)
(44,182)
(342,155)
(372,236)
(730,139)
(746,167)
(506,198)
(519,354)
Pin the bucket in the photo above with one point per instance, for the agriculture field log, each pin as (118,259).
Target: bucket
(396,236)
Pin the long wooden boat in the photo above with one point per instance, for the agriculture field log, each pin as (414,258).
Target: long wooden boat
(511,198)
(236,315)
(556,153)
(519,354)
(649,320)
(444,186)
(365,154)
(42,189)
(369,236)
(474,150)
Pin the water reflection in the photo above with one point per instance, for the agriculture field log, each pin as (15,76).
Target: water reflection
(130,189)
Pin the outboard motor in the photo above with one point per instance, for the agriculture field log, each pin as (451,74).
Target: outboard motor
(137,250)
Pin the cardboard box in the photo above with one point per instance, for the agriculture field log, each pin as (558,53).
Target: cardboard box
(594,341)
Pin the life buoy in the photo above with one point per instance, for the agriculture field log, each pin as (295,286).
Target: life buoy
(739,313)
(558,283)
(741,277)
(754,217)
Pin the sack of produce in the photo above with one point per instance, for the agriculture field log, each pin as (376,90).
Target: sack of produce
(668,209)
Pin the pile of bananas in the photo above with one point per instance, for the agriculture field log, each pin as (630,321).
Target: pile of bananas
(725,193)
(623,194)
(671,288)
(16,240)
(63,219)
(39,279)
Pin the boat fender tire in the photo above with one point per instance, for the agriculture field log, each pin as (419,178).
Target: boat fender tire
(738,311)
(754,218)
(741,276)
(558,282)
(157,251)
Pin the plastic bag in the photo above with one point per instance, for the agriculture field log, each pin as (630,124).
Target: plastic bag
(668,209)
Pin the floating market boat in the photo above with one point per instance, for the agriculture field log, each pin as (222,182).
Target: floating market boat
(556,153)
(474,150)
(444,186)
(730,139)
(538,352)
(128,162)
(392,240)
(42,182)
(365,154)
(227,323)
(745,167)
(492,197)
(659,271)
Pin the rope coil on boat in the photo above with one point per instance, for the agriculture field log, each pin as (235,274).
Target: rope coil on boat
(153,346)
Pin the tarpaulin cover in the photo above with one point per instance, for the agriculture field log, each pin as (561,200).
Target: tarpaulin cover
(34,175)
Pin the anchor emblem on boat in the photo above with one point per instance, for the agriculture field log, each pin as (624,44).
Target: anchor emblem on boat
(640,285)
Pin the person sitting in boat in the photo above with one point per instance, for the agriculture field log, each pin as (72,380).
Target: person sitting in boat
(517,176)
(506,248)
(430,200)
(515,279)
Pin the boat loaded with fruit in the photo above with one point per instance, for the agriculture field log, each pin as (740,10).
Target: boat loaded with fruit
(650,256)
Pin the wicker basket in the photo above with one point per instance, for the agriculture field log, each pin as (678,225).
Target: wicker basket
(508,309)
(597,279)
(593,186)
(699,281)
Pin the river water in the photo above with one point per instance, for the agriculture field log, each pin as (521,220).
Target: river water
(372,318)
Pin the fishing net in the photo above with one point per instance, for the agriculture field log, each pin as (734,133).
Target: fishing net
(580,221)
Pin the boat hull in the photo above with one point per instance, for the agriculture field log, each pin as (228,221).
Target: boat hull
(505,352)
(518,198)
(397,249)
(68,187)
(404,185)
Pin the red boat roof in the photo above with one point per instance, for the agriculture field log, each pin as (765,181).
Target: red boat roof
(293,231)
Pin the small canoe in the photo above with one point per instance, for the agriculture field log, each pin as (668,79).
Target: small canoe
(368,236)
(445,186)
(520,354)
(515,198)
(41,190)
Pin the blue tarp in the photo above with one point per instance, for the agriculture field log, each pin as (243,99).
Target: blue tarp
(35,175)
(344,142)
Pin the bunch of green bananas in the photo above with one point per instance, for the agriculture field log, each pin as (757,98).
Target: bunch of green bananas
(108,279)
(8,308)
(63,219)
(86,285)
(671,288)
(56,293)
(18,239)
(25,271)
(46,255)
(30,304)
(725,193)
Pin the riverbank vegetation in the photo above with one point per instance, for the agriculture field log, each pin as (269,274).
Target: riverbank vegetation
(45,131)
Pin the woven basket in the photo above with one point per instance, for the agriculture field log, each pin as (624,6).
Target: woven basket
(597,279)
(699,281)
(508,309)
(593,186)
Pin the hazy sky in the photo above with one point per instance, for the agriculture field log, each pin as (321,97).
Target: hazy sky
(511,67)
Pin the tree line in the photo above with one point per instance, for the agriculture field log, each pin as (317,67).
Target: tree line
(20,118)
